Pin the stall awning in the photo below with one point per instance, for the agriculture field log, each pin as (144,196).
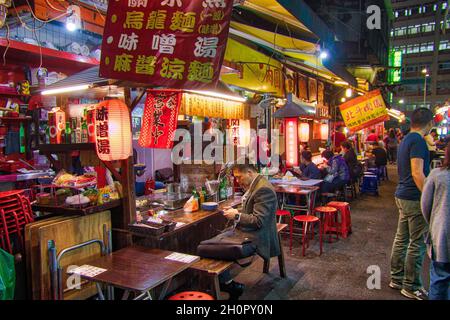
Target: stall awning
(294,109)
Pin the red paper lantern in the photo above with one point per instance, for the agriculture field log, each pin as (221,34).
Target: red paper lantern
(324,131)
(438,118)
(304,132)
(291,136)
(112,130)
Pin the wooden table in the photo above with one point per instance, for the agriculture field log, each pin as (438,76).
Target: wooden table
(137,269)
(197,226)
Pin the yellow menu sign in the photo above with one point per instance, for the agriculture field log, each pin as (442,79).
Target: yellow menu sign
(257,72)
(364,111)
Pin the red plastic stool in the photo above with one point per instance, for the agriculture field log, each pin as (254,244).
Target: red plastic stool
(287,213)
(345,226)
(328,216)
(191,295)
(311,220)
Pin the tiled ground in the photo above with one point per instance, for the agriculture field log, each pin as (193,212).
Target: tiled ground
(341,271)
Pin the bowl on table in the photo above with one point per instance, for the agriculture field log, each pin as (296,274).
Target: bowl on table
(210,206)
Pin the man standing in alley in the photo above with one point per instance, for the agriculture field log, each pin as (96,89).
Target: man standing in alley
(409,247)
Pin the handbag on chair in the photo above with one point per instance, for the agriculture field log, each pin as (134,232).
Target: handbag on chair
(231,245)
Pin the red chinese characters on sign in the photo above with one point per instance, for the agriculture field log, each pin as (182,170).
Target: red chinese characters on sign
(160,119)
(171,43)
(364,111)
(233,126)
(103,146)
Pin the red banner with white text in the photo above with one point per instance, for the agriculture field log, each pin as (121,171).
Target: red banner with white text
(171,43)
(159,121)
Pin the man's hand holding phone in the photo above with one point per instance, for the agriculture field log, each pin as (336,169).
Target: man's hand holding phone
(230,213)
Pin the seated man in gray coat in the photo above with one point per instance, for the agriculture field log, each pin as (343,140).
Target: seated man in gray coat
(258,218)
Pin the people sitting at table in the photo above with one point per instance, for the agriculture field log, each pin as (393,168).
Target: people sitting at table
(337,173)
(378,154)
(308,169)
(354,167)
(257,219)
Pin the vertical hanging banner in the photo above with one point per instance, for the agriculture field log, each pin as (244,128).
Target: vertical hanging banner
(172,43)
(364,111)
(159,121)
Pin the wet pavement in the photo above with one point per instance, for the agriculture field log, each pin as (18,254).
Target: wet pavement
(341,272)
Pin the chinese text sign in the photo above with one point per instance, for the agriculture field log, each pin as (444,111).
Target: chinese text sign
(171,43)
(364,111)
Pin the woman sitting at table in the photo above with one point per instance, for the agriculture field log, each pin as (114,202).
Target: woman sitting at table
(308,169)
(354,167)
(337,172)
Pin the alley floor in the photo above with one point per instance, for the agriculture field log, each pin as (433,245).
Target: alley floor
(340,273)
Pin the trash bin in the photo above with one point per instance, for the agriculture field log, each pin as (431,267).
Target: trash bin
(7,276)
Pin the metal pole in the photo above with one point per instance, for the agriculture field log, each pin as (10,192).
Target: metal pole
(425,93)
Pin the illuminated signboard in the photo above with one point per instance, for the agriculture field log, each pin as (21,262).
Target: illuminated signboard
(395,64)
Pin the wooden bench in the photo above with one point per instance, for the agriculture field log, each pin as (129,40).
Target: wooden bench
(213,268)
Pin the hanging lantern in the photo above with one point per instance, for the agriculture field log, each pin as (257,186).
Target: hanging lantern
(304,132)
(324,131)
(291,136)
(112,130)
(438,118)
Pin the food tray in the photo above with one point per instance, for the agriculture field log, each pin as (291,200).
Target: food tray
(146,229)
(168,225)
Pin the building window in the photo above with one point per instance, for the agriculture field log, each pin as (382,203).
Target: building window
(396,14)
(435,7)
(427,47)
(444,5)
(414,29)
(444,45)
(428,27)
(444,66)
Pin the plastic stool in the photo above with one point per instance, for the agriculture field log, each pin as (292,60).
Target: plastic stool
(328,216)
(287,213)
(370,184)
(311,220)
(191,295)
(346,220)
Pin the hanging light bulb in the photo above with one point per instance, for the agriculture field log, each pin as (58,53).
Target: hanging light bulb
(73,20)
(349,93)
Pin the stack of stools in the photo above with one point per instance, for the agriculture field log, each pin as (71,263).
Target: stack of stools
(328,217)
(369,183)
(345,225)
(15,213)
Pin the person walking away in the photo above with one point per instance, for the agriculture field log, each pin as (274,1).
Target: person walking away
(431,143)
(381,142)
(392,146)
(409,247)
(436,210)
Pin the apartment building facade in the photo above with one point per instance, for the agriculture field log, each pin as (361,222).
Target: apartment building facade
(421,31)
